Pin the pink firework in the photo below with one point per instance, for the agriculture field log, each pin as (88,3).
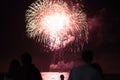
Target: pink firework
(56,25)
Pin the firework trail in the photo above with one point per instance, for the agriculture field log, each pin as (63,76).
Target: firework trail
(56,24)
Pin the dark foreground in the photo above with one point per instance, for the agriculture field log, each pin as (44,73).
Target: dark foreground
(56,76)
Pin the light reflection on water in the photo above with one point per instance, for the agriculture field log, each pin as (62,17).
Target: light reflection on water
(54,75)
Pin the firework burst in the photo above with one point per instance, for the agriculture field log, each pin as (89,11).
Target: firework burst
(56,25)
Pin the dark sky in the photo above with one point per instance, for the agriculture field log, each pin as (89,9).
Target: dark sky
(104,36)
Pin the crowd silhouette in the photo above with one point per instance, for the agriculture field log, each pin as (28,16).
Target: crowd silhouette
(28,71)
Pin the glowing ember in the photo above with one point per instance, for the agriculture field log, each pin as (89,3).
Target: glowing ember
(55,25)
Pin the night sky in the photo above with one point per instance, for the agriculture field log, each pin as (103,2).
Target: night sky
(104,39)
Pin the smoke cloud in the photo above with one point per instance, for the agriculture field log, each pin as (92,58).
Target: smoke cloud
(61,66)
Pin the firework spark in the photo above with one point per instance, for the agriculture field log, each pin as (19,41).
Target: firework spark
(56,25)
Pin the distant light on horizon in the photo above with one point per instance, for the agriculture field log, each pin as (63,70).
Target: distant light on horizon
(54,75)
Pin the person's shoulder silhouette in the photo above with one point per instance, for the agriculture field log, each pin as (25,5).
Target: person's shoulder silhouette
(98,68)
(14,70)
(29,71)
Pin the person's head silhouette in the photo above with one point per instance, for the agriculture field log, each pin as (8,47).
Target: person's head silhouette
(26,58)
(62,77)
(87,56)
(14,68)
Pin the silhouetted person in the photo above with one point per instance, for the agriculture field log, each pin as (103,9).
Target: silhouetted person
(61,77)
(94,65)
(85,71)
(29,71)
(13,71)
(89,57)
